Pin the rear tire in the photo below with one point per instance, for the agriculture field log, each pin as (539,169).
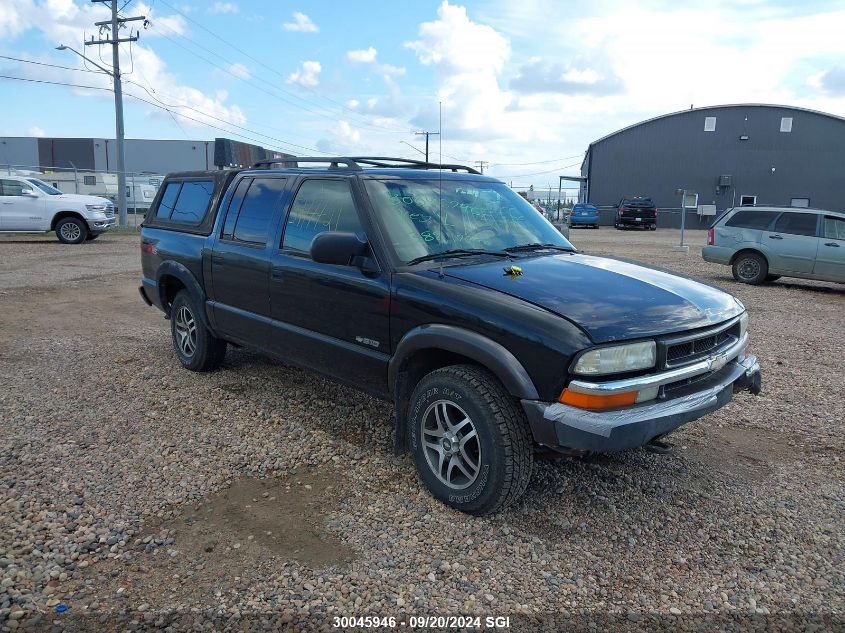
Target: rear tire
(750,268)
(196,348)
(71,230)
(470,440)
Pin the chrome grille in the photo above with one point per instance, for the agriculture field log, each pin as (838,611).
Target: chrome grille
(691,349)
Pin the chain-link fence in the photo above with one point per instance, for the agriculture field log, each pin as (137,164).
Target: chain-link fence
(140,190)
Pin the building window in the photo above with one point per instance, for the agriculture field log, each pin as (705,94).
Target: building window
(89,180)
(747,201)
(786,124)
(802,203)
(709,124)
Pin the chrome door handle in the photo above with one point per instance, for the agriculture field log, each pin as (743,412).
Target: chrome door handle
(775,237)
(834,244)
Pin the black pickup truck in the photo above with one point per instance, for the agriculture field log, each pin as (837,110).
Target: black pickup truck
(636,211)
(445,292)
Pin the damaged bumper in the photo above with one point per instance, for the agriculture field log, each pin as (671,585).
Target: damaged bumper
(564,427)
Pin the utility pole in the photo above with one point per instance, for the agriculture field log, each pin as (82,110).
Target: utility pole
(481,164)
(114,26)
(427,134)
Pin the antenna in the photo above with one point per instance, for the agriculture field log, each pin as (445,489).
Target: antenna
(440,177)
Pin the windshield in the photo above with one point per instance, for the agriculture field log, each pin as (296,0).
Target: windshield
(52,191)
(475,215)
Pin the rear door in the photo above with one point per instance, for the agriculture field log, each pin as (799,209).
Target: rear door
(19,212)
(240,259)
(830,259)
(792,243)
(331,318)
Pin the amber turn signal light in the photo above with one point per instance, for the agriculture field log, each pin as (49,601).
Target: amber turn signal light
(590,401)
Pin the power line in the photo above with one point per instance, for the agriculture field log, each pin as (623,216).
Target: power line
(539,162)
(55,83)
(37,63)
(252,81)
(270,68)
(539,173)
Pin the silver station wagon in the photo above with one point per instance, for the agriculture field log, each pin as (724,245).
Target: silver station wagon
(766,243)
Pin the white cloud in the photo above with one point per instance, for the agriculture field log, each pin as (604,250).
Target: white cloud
(35,131)
(301,23)
(239,70)
(66,21)
(363,56)
(307,75)
(224,7)
(343,139)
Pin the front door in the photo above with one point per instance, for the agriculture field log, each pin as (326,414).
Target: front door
(792,243)
(19,212)
(328,316)
(240,260)
(830,259)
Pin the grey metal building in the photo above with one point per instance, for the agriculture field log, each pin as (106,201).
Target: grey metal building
(729,155)
(142,155)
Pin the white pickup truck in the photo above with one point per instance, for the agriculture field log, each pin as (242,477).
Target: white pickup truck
(30,205)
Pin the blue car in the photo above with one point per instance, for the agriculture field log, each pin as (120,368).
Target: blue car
(584,215)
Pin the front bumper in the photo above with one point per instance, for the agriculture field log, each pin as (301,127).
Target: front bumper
(563,427)
(102,225)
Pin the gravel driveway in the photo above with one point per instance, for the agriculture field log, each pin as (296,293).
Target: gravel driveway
(139,495)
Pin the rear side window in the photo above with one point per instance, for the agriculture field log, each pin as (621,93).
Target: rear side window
(258,209)
(797,224)
(834,228)
(752,219)
(168,200)
(320,205)
(186,202)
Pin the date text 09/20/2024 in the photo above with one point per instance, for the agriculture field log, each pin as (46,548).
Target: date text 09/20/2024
(422,622)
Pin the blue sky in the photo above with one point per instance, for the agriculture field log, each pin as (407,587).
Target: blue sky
(524,85)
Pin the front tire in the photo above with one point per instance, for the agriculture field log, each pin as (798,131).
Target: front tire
(750,268)
(71,230)
(470,440)
(196,348)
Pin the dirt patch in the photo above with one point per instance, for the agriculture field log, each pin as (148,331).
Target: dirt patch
(750,453)
(259,517)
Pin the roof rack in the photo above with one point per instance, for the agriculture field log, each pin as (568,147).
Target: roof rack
(356,163)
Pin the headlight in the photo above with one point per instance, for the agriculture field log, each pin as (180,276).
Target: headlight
(617,359)
(96,207)
(743,324)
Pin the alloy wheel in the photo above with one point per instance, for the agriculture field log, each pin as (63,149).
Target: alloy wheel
(451,444)
(70,231)
(186,331)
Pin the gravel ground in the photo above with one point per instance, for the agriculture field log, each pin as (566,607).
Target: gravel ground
(139,495)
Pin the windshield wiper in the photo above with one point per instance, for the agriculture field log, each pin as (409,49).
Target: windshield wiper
(457,252)
(537,246)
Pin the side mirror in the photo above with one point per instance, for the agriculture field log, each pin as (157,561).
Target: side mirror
(29,193)
(337,247)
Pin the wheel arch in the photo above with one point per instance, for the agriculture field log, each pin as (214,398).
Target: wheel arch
(61,215)
(746,250)
(173,277)
(429,347)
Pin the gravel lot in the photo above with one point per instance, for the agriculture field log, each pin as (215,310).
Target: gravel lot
(140,495)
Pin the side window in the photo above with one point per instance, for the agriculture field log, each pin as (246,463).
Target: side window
(796,224)
(234,207)
(259,206)
(320,205)
(752,219)
(89,180)
(11,188)
(834,228)
(193,202)
(168,200)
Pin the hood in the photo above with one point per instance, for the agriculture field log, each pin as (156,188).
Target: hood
(84,199)
(609,299)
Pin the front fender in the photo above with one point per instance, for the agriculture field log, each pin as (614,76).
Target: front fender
(481,349)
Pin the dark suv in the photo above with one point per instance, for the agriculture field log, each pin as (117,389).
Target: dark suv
(445,292)
(637,212)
